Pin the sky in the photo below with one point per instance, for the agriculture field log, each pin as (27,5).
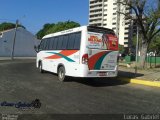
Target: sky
(33,14)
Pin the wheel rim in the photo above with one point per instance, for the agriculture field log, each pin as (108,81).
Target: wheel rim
(40,67)
(61,74)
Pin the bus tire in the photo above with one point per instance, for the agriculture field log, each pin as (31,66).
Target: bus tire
(41,68)
(61,74)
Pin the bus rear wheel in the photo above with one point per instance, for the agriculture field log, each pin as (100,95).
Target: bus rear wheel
(61,74)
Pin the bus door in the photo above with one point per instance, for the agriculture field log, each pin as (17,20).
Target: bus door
(102,51)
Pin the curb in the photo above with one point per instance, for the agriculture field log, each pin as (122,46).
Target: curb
(141,82)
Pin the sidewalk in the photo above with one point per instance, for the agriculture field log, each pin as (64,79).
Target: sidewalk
(150,77)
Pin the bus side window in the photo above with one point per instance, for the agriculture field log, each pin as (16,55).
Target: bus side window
(43,44)
(51,43)
(47,44)
(59,44)
(55,43)
(77,41)
(71,40)
(65,41)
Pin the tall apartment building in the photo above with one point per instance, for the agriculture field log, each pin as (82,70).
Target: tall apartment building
(105,13)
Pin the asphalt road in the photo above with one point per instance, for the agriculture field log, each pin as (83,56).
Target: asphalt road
(20,81)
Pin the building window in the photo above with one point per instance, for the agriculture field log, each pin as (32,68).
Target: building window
(113,23)
(126,33)
(114,18)
(127,23)
(114,8)
(127,28)
(114,3)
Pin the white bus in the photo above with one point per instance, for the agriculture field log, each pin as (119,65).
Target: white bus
(85,51)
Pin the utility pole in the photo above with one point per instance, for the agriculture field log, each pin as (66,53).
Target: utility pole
(137,43)
(12,55)
(118,17)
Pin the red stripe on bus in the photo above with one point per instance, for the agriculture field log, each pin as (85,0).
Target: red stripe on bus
(63,52)
(93,59)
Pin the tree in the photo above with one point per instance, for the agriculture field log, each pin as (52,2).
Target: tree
(43,31)
(148,20)
(155,45)
(7,26)
(134,41)
(52,28)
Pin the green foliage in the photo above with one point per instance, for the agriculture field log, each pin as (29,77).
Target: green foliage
(134,40)
(148,21)
(155,45)
(52,28)
(7,26)
(44,31)
(121,48)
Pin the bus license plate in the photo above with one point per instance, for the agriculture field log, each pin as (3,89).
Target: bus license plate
(102,74)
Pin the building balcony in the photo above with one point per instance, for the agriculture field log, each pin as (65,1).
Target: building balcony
(127,21)
(126,35)
(95,13)
(127,26)
(96,8)
(95,4)
(95,22)
(126,30)
(95,18)
(126,45)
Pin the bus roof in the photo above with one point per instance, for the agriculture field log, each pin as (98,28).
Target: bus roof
(65,32)
(76,30)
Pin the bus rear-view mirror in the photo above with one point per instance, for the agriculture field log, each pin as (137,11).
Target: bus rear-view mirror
(36,48)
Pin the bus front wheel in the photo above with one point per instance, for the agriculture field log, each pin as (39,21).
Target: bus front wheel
(41,68)
(61,74)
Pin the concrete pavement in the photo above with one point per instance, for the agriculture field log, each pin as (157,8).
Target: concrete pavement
(20,81)
(149,77)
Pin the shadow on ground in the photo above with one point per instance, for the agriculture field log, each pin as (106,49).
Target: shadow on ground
(98,82)
(129,74)
(103,82)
